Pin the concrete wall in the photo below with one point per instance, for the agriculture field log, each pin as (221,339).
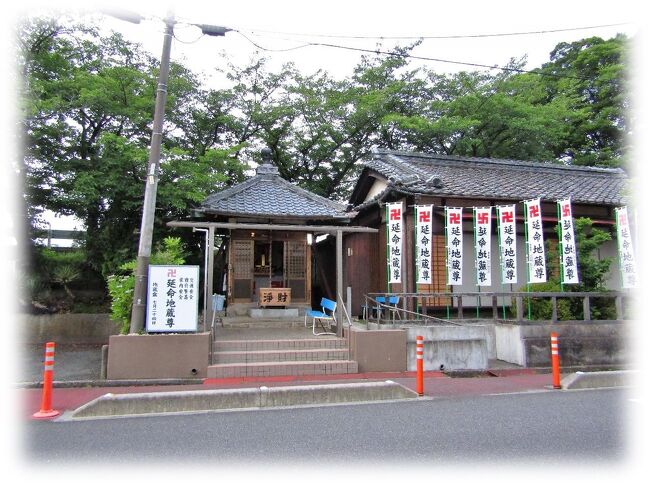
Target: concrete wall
(77,328)
(508,343)
(454,347)
(596,343)
(162,356)
(378,350)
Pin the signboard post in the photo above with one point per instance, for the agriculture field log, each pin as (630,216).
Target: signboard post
(173,299)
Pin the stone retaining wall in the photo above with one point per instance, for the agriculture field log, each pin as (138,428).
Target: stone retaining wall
(72,328)
(596,343)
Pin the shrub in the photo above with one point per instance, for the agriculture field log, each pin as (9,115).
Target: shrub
(120,287)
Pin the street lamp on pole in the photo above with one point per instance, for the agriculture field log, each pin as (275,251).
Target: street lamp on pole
(151,185)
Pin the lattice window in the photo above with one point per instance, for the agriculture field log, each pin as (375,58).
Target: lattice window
(439,275)
(295,260)
(242,259)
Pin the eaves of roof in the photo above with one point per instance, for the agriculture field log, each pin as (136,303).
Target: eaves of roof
(500,179)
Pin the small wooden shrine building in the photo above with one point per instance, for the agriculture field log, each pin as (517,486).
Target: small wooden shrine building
(269,226)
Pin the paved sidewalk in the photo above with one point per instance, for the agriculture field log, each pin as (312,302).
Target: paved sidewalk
(77,371)
(436,385)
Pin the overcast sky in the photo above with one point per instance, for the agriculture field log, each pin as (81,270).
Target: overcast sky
(281,25)
(270,26)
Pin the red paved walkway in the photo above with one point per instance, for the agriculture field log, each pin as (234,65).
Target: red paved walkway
(436,384)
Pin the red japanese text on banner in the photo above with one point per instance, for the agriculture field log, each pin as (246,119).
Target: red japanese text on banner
(483,245)
(508,243)
(454,224)
(536,255)
(394,219)
(625,251)
(423,235)
(568,255)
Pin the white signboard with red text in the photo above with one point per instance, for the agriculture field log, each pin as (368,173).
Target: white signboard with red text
(173,298)
(454,223)
(423,237)
(483,245)
(568,251)
(508,243)
(536,254)
(394,216)
(625,250)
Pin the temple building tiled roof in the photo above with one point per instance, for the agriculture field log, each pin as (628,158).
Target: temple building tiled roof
(502,179)
(267,195)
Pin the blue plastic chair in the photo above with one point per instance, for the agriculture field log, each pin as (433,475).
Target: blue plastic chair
(381,300)
(328,313)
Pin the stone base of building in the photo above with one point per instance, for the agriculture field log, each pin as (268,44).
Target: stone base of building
(273,313)
(161,356)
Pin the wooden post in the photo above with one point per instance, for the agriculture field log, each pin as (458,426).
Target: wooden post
(348,299)
(520,308)
(460,307)
(586,311)
(554,308)
(619,307)
(210,288)
(339,282)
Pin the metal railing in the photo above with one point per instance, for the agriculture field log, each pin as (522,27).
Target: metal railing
(415,307)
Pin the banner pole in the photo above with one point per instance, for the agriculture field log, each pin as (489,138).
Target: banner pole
(559,242)
(478,286)
(527,257)
(501,262)
(447,261)
(416,258)
(388,266)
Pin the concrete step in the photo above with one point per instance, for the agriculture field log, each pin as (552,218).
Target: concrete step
(289,368)
(266,322)
(287,344)
(252,323)
(315,354)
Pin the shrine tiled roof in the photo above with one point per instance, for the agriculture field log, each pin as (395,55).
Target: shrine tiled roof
(499,179)
(268,195)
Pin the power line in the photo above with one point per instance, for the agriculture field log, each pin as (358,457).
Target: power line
(410,56)
(458,36)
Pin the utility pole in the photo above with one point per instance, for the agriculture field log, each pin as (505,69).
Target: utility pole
(151,186)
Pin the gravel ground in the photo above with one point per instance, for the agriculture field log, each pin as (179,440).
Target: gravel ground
(71,362)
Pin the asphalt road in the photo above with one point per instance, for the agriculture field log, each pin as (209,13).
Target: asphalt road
(568,427)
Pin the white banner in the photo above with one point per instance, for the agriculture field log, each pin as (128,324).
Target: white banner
(568,251)
(536,255)
(173,298)
(483,245)
(395,237)
(454,223)
(423,235)
(625,250)
(508,243)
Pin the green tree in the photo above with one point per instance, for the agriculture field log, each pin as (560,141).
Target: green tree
(592,270)
(482,115)
(88,107)
(590,75)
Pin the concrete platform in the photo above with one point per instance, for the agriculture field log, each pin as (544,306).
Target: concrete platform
(258,397)
(263,313)
(593,380)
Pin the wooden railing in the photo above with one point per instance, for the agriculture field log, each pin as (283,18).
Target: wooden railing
(415,304)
